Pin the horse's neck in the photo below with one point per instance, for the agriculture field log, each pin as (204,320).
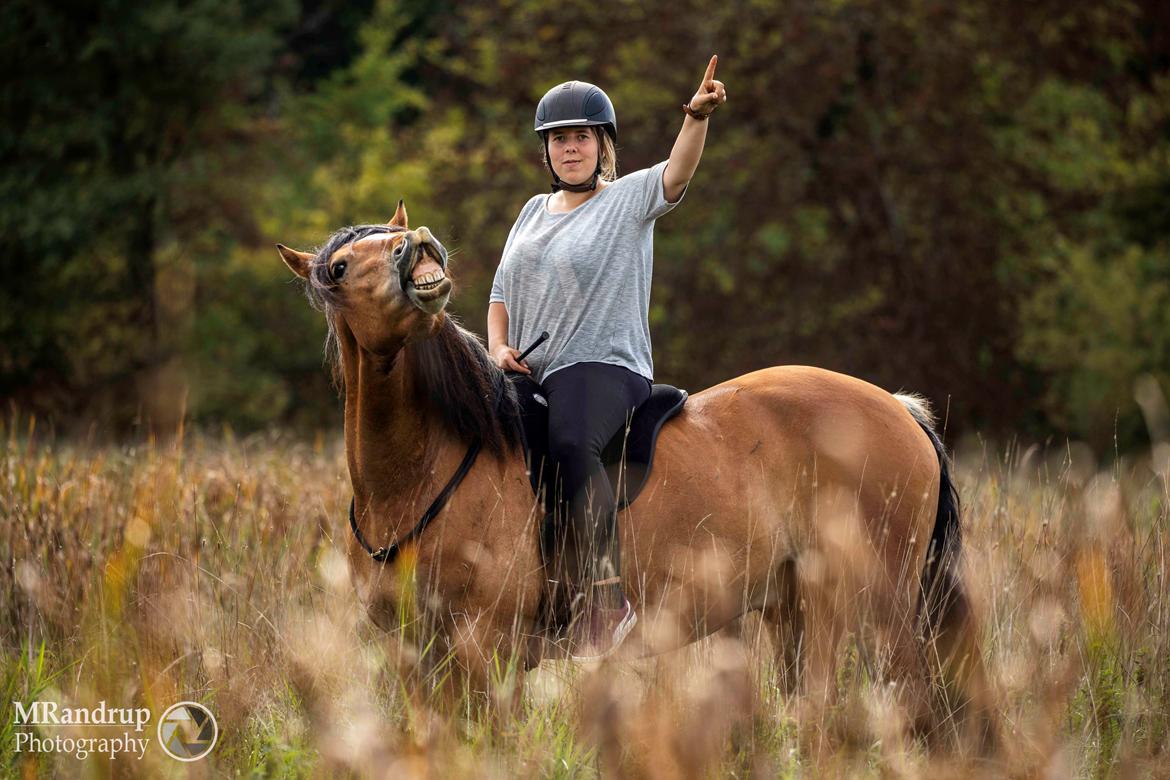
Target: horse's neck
(395,442)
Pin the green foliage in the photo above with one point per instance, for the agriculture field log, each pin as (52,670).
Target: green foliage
(966,200)
(1096,277)
(122,132)
(1096,324)
(255,346)
(277,743)
(1098,708)
(26,677)
(879,196)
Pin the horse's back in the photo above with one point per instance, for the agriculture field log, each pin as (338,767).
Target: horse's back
(808,388)
(773,443)
(813,412)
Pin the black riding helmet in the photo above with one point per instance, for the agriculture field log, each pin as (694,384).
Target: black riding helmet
(575,104)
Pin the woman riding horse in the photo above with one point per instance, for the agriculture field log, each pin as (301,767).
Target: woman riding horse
(816,498)
(577,264)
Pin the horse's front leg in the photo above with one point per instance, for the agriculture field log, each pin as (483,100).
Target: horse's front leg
(479,663)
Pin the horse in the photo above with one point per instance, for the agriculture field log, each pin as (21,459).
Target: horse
(816,498)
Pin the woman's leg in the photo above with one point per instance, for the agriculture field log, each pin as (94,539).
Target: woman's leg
(587,404)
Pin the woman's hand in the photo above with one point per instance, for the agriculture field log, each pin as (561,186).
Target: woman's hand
(505,358)
(711,94)
(688,147)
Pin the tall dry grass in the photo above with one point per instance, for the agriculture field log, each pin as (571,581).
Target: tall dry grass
(212,568)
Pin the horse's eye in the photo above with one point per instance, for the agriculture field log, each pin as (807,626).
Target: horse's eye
(337,270)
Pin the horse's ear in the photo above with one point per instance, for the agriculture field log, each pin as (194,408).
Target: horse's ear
(299,262)
(399,219)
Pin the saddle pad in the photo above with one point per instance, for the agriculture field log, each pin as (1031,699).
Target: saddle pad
(664,402)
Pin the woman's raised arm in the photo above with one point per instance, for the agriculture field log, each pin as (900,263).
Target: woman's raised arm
(688,147)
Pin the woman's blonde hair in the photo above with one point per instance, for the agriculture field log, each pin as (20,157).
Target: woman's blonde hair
(606,150)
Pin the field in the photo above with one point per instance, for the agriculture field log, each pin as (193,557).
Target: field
(211,568)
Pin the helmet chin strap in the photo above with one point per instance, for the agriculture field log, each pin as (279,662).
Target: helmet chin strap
(586,186)
(557,184)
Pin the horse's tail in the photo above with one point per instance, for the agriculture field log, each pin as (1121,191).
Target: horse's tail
(943,603)
(945,608)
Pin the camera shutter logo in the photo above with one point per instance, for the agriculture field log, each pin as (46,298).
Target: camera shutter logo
(187,731)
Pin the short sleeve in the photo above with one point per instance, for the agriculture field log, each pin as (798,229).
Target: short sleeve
(497,293)
(654,195)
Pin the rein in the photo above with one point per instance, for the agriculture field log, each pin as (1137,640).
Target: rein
(387,555)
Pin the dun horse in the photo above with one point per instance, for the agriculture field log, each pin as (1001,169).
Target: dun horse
(817,498)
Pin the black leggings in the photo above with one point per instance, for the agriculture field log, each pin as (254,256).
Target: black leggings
(587,404)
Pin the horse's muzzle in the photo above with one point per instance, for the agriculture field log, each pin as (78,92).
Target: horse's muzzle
(416,247)
(413,247)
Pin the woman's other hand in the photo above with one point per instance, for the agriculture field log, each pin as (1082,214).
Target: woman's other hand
(505,358)
(711,94)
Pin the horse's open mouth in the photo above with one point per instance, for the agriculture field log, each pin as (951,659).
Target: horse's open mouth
(428,280)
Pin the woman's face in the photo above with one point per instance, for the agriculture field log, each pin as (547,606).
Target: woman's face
(573,153)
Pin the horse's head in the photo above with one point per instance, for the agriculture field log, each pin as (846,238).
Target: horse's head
(386,282)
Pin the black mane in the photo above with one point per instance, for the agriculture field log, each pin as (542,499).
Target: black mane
(461,380)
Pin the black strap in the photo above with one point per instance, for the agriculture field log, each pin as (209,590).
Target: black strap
(388,554)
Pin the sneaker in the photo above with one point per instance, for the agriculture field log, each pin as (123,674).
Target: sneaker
(598,633)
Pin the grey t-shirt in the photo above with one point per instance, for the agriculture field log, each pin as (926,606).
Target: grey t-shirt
(584,276)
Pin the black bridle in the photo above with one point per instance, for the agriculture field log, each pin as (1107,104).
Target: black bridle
(387,555)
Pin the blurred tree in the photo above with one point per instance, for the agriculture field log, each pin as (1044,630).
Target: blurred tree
(1096,269)
(873,198)
(122,123)
(965,199)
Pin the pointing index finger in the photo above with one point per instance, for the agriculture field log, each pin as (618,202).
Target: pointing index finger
(710,74)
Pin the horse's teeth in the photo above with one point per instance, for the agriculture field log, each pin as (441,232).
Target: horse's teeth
(429,279)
